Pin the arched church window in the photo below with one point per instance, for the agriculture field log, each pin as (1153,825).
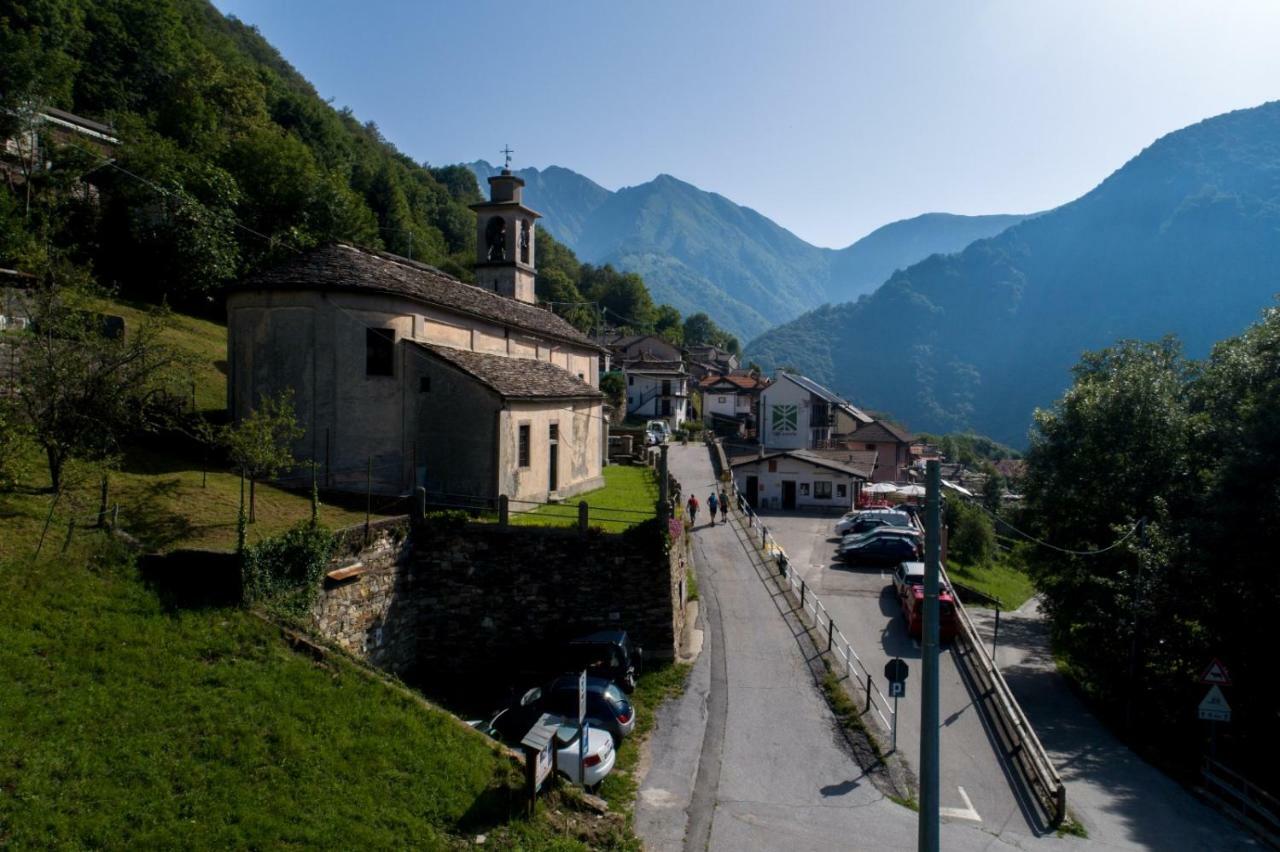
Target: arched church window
(495,238)
(524,240)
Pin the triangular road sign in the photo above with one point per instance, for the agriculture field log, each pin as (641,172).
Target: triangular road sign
(1214,707)
(1216,673)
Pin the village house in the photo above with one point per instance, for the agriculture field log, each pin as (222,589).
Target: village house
(707,360)
(658,390)
(404,376)
(648,347)
(798,413)
(798,479)
(892,445)
(731,403)
(26,152)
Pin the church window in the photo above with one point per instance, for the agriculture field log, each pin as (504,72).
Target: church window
(524,240)
(524,445)
(495,239)
(379,351)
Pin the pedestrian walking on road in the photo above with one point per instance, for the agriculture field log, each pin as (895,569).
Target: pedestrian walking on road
(692,506)
(724,507)
(711,504)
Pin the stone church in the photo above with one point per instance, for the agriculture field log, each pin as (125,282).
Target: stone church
(468,390)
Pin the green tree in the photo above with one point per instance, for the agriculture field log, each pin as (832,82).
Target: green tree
(970,535)
(261,444)
(667,324)
(83,385)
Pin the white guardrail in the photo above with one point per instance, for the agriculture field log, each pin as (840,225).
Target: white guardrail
(837,643)
(1016,736)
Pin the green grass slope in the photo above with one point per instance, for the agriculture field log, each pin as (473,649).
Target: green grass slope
(129,726)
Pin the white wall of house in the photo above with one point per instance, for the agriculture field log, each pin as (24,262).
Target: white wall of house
(720,402)
(784,416)
(813,484)
(646,395)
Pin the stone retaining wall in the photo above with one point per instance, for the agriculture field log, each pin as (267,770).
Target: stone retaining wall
(451,596)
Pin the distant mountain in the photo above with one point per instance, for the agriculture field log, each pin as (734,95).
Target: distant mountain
(564,198)
(699,251)
(1183,239)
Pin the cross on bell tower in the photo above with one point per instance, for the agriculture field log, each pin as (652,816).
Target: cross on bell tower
(505,237)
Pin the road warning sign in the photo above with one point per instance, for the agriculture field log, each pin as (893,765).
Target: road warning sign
(1215,707)
(1216,674)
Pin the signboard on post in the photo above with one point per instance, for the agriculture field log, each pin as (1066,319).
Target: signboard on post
(896,670)
(1216,673)
(897,689)
(1214,707)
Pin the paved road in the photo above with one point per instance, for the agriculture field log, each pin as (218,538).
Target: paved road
(973,782)
(1123,802)
(750,758)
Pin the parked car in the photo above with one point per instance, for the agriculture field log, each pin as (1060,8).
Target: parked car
(598,762)
(512,723)
(908,533)
(886,550)
(606,653)
(908,583)
(607,707)
(866,519)
(660,428)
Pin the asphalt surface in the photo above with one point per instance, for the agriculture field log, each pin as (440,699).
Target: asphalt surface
(974,783)
(750,757)
(1122,801)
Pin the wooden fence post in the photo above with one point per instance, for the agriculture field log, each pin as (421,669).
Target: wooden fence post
(584,513)
(504,510)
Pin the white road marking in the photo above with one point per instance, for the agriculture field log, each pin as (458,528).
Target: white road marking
(967,812)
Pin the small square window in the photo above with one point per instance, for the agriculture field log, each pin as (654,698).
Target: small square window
(773,466)
(822,490)
(842,491)
(871,446)
(424,384)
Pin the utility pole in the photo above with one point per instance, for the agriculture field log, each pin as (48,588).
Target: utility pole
(929,798)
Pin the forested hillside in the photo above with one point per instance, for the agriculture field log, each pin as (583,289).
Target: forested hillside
(1184,239)
(700,251)
(227,160)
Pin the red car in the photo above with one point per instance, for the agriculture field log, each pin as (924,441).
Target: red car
(908,582)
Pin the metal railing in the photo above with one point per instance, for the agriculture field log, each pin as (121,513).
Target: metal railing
(1244,800)
(1016,735)
(837,643)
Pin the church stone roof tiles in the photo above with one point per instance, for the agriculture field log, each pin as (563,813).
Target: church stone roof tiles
(514,378)
(342,266)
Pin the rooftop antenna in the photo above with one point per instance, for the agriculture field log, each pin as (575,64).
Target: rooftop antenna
(507,152)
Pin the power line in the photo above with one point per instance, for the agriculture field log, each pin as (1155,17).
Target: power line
(1136,527)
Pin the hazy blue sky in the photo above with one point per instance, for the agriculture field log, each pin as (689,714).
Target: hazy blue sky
(832,118)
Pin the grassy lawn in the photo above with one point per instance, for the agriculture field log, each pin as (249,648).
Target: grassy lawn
(126,725)
(162,503)
(631,490)
(999,579)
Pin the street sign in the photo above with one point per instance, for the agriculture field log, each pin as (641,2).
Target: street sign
(582,754)
(582,697)
(896,671)
(1215,707)
(897,689)
(1216,674)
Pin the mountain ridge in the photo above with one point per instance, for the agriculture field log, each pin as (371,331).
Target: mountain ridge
(702,251)
(1183,238)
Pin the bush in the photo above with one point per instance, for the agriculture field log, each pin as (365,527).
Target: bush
(283,572)
(972,538)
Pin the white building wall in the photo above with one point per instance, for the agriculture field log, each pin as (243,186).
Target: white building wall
(778,400)
(719,402)
(644,399)
(806,477)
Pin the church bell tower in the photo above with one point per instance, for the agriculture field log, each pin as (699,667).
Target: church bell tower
(504,238)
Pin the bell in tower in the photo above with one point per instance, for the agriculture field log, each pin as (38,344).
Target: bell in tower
(504,238)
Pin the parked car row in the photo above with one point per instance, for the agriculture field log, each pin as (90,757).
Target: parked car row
(613,664)
(879,537)
(892,536)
